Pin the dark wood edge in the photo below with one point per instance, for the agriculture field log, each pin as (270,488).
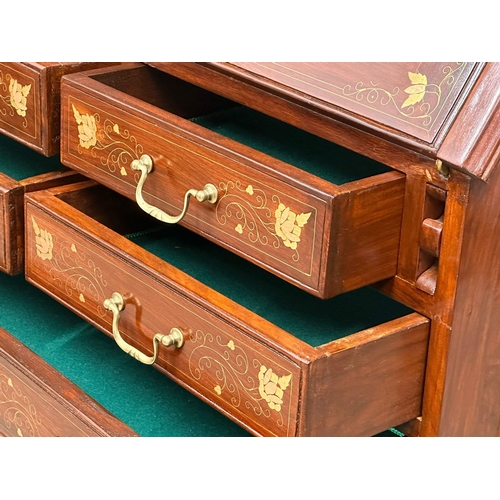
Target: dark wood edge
(76,401)
(473,142)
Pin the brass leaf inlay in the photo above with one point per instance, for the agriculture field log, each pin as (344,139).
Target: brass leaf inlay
(258,220)
(43,242)
(15,97)
(115,148)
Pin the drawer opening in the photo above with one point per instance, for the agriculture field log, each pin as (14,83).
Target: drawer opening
(19,162)
(308,318)
(313,320)
(263,133)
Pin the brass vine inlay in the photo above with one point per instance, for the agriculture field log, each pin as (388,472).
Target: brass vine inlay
(255,217)
(115,148)
(70,268)
(17,410)
(15,96)
(242,381)
(420,91)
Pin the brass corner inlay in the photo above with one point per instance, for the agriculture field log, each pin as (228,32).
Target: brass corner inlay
(43,242)
(242,380)
(422,99)
(115,148)
(15,96)
(17,410)
(70,268)
(257,219)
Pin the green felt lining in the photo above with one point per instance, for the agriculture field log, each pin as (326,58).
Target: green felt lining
(306,151)
(20,162)
(308,318)
(143,398)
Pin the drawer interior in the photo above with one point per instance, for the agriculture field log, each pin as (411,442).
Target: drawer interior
(313,320)
(147,401)
(19,162)
(256,130)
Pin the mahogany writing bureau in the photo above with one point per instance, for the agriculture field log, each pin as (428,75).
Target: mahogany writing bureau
(329,192)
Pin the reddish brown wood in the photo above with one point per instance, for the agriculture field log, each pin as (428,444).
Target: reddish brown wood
(39,127)
(159,297)
(473,143)
(12,214)
(36,400)
(360,248)
(361,373)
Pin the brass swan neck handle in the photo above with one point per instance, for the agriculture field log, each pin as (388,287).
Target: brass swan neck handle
(145,165)
(175,338)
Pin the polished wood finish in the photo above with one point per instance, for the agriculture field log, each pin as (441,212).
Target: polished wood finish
(351,236)
(29,102)
(37,401)
(358,385)
(12,214)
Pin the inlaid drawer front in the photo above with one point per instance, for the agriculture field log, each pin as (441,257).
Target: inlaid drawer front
(254,212)
(189,326)
(20,102)
(236,372)
(197,172)
(34,399)
(29,101)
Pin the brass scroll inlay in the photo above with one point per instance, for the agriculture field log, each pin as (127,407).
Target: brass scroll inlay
(69,267)
(241,380)
(175,338)
(421,98)
(115,148)
(256,218)
(17,410)
(15,96)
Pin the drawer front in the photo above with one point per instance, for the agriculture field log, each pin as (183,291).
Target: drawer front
(34,399)
(221,363)
(253,210)
(20,103)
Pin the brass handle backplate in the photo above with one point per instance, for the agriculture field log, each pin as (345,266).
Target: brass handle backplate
(175,338)
(145,165)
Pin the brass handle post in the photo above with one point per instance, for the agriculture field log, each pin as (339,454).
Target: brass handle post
(175,338)
(145,166)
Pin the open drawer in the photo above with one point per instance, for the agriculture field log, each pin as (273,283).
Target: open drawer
(273,358)
(315,214)
(37,401)
(21,170)
(29,101)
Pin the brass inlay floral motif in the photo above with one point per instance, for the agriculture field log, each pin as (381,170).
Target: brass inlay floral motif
(242,381)
(43,241)
(70,269)
(114,147)
(272,387)
(255,218)
(420,91)
(15,96)
(17,410)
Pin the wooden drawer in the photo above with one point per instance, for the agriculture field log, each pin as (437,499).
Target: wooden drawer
(21,171)
(36,400)
(29,101)
(317,215)
(296,365)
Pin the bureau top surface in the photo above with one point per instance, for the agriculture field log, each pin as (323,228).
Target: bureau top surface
(444,110)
